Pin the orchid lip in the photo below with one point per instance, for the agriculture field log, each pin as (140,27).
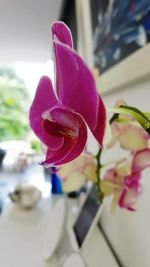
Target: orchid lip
(52,128)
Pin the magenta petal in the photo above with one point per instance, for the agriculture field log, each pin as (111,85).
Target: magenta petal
(44,99)
(99,131)
(71,149)
(79,145)
(52,157)
(65,118)
(131,191)
(75,84)
(62,32)
(132,180)
(141,160)
(129,196)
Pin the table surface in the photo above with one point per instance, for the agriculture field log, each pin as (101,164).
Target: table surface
(22,236)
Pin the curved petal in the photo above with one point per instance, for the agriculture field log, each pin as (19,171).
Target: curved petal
(71,149)
(62,32)
(123,168)
(90,172)
(84,164)
(109,188)
(110,175)
(133,138)
(99,130)
(66,118)
(74,182)
(129,196)
(132,180)
(43,100)
(76,85)
(141,160)
(114,134)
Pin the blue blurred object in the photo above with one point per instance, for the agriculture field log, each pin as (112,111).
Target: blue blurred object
(56,182)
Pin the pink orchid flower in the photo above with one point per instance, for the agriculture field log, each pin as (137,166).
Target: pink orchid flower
(123,181)
(60,121)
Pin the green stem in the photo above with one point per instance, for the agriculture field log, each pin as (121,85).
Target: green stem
(98,156)
(99,165)
(147,114)
(141,117)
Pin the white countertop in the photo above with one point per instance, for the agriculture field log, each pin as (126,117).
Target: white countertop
(22,236)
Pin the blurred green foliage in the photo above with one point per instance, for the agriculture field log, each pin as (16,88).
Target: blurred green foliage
(13,106)
(36,146)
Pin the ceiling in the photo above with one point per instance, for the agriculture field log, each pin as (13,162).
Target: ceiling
(25,29)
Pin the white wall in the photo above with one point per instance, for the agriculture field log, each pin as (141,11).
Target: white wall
(25,29)
(129,231)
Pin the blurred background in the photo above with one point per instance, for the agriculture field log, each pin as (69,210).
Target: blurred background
(113,37)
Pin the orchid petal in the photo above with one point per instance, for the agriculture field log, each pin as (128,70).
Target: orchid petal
(44,99)
(53,157)
(115,134)
(84,164)
(74,182)
(76,165)
(115,201)
(65,118)
(123,168)
(129,196)
(109,188)
(133,138)
(62,32)
(100,128)
(120,102)
(90,172)
(107,134)
(71,149)
(132,180)
(110,175)
(109,184)
(141,160)
(77,88)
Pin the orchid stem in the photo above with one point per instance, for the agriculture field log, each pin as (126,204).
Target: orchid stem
(99,165)
(98,156)
(141,117)
(147,114)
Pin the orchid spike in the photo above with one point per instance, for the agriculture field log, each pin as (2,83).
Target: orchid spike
(61,121)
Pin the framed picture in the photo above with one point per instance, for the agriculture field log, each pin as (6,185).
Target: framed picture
(113,36)
(121,41)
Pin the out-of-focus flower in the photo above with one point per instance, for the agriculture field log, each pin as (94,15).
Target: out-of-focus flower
(60,120)
(128,133)
(123,181)
(129,136)
(74,174)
